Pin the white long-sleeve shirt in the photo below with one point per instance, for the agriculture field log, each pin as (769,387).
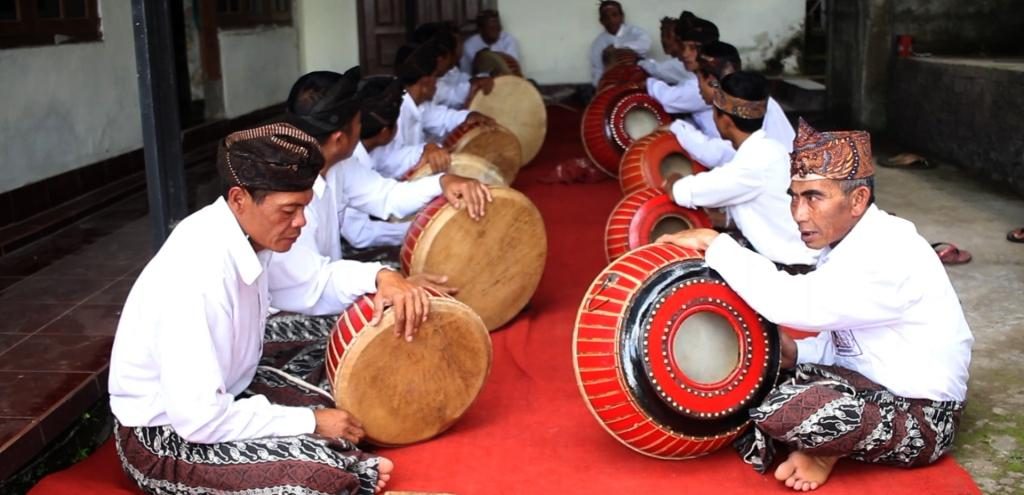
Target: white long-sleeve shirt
(191,335)
(629,36)
(416,123)
(752,188)
(312,278)
(683,97)
(452,89)
(881,300)
(705,144)
(670,69)
(506,44)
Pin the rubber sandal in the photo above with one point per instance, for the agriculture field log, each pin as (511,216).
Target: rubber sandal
(949,254)
(1016,235)
(908,161)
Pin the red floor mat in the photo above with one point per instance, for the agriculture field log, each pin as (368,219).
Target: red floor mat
(530,431)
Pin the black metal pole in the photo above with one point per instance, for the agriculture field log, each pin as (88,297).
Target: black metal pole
(161,125)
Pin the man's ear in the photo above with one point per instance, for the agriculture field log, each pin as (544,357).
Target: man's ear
(238,199)
(859,199)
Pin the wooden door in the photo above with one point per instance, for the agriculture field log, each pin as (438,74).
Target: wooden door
(385,25)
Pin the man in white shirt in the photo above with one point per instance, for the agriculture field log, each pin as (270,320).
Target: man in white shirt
(670,70)
(455,87)
(885,379)
(752,185)
(312,278)
(490,36)
(617,37)
(701,139)
(420,118)
(684,97)
(191,335)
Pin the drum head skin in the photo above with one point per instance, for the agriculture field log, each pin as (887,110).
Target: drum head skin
(407,392)
(516,104)
(496,263)
(614,119)
(643,216)
(652,158)
(495,143)
(469,166)
(496,64)
(667,357)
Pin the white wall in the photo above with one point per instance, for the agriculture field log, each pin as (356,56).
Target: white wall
(258,67)
(328,34)
(68,106)
(555,35)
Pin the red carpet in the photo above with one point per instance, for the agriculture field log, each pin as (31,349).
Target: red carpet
(530,431)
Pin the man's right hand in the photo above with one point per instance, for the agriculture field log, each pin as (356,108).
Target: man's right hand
(336,423)
(435,157)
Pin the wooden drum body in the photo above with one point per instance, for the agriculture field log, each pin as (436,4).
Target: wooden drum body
(496,64)
(614,119)
(407,392)
(652,158)
(621,73)
(643,216)
(667,357)
(516,104)
(467,165)
(496,263)
(494,143)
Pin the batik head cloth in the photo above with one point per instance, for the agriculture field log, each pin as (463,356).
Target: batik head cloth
(738,107)
(840,155)
(274,157)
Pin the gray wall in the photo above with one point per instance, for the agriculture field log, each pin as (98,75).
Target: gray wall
(960,27)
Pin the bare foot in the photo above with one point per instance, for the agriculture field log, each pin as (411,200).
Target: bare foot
(803,472)
(384,468)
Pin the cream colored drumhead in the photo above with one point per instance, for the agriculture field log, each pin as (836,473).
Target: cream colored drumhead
(496,263)
(406,392)
(470,166)
(495,63)
(640,122)
(676,163)
(497,144)
(706,347)
(669,225)
(516,104)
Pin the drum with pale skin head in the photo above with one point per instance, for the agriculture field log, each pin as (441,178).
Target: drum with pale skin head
(496,64)
(438,375)
(495,263)
(469,166)
(493,142)
(642,217)
(614,120)
(667,357)
(516,104)
(651,159)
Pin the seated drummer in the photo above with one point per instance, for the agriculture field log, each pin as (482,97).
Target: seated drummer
(752,185)
(191,335)
(671,69)
(455,88)
(885,379)
(618,38)
(490,36)
(684,97)
(312,278)
(419,117)
(701,139)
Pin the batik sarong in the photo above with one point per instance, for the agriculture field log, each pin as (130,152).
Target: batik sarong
(833,411)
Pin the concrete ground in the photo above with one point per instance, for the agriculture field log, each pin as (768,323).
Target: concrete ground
(947,206)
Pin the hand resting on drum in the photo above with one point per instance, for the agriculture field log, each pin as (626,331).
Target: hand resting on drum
(466,193)
(337,423)
(698,239)
(475,117)
(485,84)
(409,301)
(435,157)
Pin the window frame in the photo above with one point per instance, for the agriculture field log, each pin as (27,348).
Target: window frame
(31,30)
(244,18)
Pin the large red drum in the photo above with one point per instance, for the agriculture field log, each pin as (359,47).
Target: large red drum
(652,158)
(643,216)
(437,376)
(614,119)
(667,357)
(621,74)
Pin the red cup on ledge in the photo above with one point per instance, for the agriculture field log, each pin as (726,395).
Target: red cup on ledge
(904,45)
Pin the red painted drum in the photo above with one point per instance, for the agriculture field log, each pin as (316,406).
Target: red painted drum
(496,262)
(614,119)
(643,216)
(651,158)
(621,74)
(667,357)
(491,142)
(438,375)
